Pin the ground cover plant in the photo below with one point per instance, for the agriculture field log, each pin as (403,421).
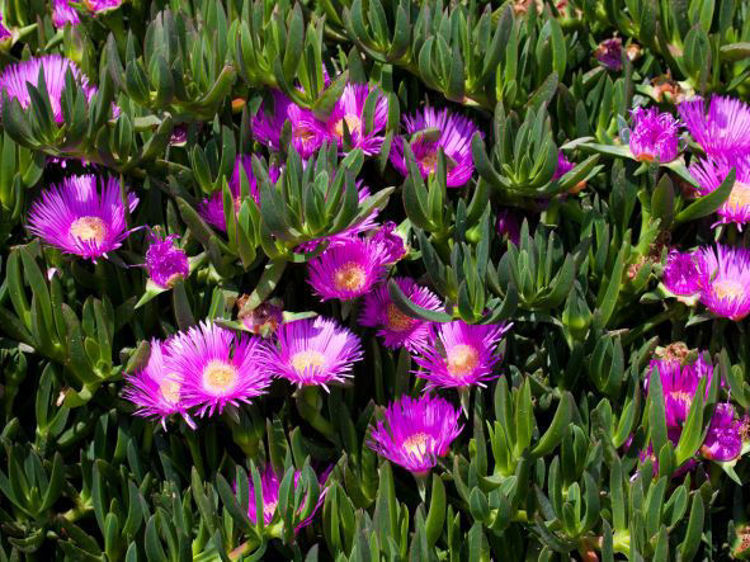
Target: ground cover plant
(374,280)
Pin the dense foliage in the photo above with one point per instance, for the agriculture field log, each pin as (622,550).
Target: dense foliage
(414,279)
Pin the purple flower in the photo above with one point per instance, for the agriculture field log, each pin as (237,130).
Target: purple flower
(414,433)
(435,130)
(723,130)
(15,76)
(75,218)
(307,133)
(710,173)
(508,226)
(726,292)
(679,384)
(609,53)
(98,6)
(270,483)
(563,166)
(155,391)
(165,262)
(217,368)
(212,208)
(63,12)
(724,440)
(313,351)
(4,32)
(459,354)
(348,270)
(389,240)
(349,109)
(396,328)
(653,135)
(684,273)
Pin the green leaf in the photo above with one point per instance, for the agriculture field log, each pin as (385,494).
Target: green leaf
(560,422)
(413,310)
(704,206)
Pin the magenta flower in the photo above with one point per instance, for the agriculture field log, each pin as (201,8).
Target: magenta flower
(679,384)
(307,133)
(212,208)
(391,242)
(63,12)
(508,225)
(459,354)
(712,172)
(4,31)
(313,351)
(414,433)
(653,135)
(723,130)
(563,166)
(14,78)
(684,273)
(724,439)
(396,328)
(349,109)
(348,270)
(727,290)
(75,218)
(440,129)
(270,483)
(165,262)
(155,391)
(217,368)
(609,54)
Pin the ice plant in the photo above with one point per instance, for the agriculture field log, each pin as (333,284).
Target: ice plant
(415,432)
(313,351)
(270,483)
(76,218)
(264,319)
(165,262)
(710,173)
(679,381)
(4,31)
(14,79)
(349,110)
(726,292)
(154,390)
(460,355)
(722,131)
(218,369)
(653,135)
(396,328)
(609,53)
(347,270)
(63,13)
(684,273)
(723,441)
(508,226)
(430,130)
(391,242)
(307,133)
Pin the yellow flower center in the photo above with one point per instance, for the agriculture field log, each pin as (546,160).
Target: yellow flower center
(728,289)
(682,397)
(397,320)
(416,444)
(429,162)
(353,123)
(170,390)
(304,134)
(462,360)
(219,377)
(307,359)
(350,277)
(269,509)
(88,228)
(739,198)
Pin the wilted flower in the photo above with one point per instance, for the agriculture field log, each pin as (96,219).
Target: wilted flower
(264,319)
(710,173)
(155,391)
(723,441)
(609,53)
(508,226)
(684,273)
(348,270)
(723,130)
(653,135)
(396,328)
(165,262)
(76,219)
(460,354)
(430,131)
(307,133)
(218,369)
(15,77)
(349,109)
(212,208)
(313,351)
(726,292)
(414,433)
(391,242)
(270,482)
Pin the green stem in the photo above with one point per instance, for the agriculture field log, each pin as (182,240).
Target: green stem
(660,318)
(309,404)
